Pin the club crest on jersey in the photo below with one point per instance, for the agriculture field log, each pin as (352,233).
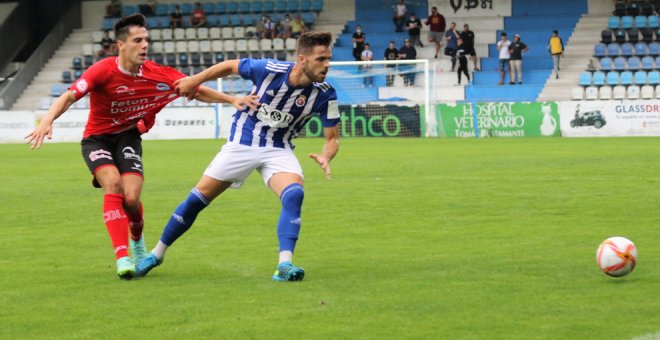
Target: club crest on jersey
(82,85)
(301,100)
(162,87)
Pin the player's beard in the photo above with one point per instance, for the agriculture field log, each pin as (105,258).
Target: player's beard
(316,77)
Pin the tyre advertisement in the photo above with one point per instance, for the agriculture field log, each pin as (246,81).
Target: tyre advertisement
(539,119)
(372,121)
(610,118)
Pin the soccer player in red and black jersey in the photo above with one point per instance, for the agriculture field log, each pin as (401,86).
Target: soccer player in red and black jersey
(126,93)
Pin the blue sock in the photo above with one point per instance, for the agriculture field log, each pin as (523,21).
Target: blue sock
(288,226)
(183,217)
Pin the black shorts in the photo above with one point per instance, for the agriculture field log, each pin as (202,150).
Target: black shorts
(469,50)
(122,150)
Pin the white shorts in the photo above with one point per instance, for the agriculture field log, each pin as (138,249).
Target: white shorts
(235,162)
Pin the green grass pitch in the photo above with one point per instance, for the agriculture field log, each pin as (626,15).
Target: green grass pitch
(413,238)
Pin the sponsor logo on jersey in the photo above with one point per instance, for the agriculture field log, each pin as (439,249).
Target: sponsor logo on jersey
(98,154)
(120,90)
(273,117)
(162,87)
(82,85)
(129,153)
(301,100)
(137,166)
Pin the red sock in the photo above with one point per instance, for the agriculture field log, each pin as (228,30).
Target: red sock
(116,222)
(136,223)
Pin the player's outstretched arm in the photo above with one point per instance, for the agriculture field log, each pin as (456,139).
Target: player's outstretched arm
(187,86)
(45,128)
(330,149)
(210,95)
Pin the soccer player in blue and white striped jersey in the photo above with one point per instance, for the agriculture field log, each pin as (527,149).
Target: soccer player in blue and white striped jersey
(261,139)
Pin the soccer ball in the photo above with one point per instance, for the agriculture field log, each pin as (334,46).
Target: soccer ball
(616,256)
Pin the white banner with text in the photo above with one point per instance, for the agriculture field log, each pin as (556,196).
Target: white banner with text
(609,118)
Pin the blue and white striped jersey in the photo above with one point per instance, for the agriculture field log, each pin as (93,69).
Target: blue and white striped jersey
(284,110)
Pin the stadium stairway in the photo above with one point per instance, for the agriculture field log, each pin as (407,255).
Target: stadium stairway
(534,20)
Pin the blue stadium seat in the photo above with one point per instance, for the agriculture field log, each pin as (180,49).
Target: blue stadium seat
(208,7)
(600,50)
(207,59)
(76,62)
(170,59)
(653,78)
(66,77)
(647,35)
(269,6)
(257,7)
(186,8)
(248,20)
(585,79)
(195,59)
(56,90)
(280,6)
(221,8)
(613,50)
(606,37)
(613,78)
(77,74)
(627,49)
(127,10)
(619,64)
(107,24)
(606,64)
(654,48)
(212,20)
(88,61)
(308,18)
(244,7)
(153,22)
(183,59)
(162,9)
(317,6)
(219,57)
(235,20)
(614,22)
(627,22)
(157,58)
(653,21)
(292,6)
(633,35)
(626,78)
(223,20)
(641,49)
(164,21)
(640,78)
(232,7)
(634,63)
(599,78)
(640,21)
(305,6)
(647,63)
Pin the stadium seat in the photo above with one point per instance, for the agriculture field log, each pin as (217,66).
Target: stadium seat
(241,45)
(606,37)
(229,45)
(186,8)
(227,32)
(653,78)
(605,63)
(640,21)
(627,22)
(221,8)
(205,46)
(585,79)
(620,36)
(577,93)
(268,55)
(308,18)
(183,60)
(632,9)
(239,32)
(181,47)
(207,59)
(162,10)
(208,7)
(591,93)
(97,36)
(612,78)
(195,59)
(278,44)
(654,49)
(164,21)
(56,90)
(619,92)
(202,33)
(647,63)
(66,77)
(76,63)
(613,50)
(155,34)
(641,49)
(88,61)
(87,49)
(219,57)
(266,44)
(232,7)
(614,22)
(77,74)
(216,45)
(317,6)
(168,47)
(251,31)
(634,63)
(244,7)
(166,34)
(640,78)
(257,7)
(190,33)
(600,50)
(253,45)
(626,78)
(179,34)
(627,50)
(213,20)
(214,33)
(305,6)
(647,92)
(653,22)
(157,47)
(619,9)
(280,6)
(290,44)
(647,35)
(646,9)
(170,59)
(605,92)
(633,35)
(598,78)
(619,64)
(633,92)
(157,58)
(193,46)
(292,6)
(269,6)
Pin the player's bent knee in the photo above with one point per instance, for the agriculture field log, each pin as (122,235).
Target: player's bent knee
(292,196)
(131,202)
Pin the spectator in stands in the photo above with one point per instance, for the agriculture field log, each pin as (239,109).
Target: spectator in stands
(266,29)
(284,27)
(505,56)
(108,46)
(413,25)
(391,53)
(517,48)
(468,42)
(198,17)
(113,10)
(399,17)
(408,52)
(297,27)
(556,49)
(358,43)
(452,36)
(176,18)
(148,9)
(437,29)
(367,55)
(461,55)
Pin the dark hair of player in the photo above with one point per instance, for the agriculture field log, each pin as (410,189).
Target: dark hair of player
(124,25)
(308,40)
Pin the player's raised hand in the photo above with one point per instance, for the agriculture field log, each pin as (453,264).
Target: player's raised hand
(251,101)
(324,163)
(186,87)
(36,137)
